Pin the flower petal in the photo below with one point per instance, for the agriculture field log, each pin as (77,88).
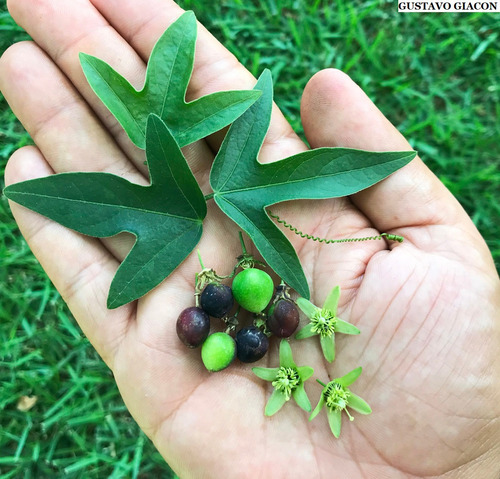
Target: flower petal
(335,421)
(328,347)
(300,396)
(267,374)
(344,327)
(332,300)
(286,358)
(305,372)
(318,408)
(349,378)
(275,403)
(307,307)
(305,332)
(358,404)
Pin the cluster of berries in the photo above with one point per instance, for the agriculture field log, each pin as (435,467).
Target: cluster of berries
(252,289)
(274,313)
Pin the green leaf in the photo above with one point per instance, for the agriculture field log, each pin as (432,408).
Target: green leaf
(267,374)
(243,187)
(166,216)
(318,408)
(275,403)
(286,358)
(300,396)
(350,377)
(344,327)
(332,300)
(335,421)
(305,372)
(328,347)
(358,404)
(306,332)
(169,70)
(307,307)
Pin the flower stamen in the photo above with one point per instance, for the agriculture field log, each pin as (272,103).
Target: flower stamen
(287,379)
(336,397)
(323,322)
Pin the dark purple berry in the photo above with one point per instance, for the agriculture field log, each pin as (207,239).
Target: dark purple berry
(217,300)
(251,344)
(283,318)
(193,326)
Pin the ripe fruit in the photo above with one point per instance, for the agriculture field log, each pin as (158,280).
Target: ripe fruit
(283,318)
(193,326)
(218,351)
(253,289)
(217,299)
(251,344)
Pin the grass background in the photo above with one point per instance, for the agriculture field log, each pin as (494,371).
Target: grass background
(436,76)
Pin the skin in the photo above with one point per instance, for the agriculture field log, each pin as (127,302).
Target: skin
(427,308)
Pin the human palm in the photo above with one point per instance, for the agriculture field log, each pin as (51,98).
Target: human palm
(427,308)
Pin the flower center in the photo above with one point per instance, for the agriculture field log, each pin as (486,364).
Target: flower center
(336,396)
(323,323)
(286,381)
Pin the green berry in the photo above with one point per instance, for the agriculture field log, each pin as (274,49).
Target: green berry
(253,289)
(218,351)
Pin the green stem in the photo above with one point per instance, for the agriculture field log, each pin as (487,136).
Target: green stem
(243,248)
(199,259)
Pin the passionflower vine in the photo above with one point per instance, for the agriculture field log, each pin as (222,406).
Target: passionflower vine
(288,381)
(337,397)
(324,323)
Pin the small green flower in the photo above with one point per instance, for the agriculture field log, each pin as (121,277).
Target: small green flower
(325,323)
(337,398)
(287,380)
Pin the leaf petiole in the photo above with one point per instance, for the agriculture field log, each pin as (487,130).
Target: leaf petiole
(243,247)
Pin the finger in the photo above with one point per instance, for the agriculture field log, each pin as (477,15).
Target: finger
(62,125)
(141,22)
(60,122)
(63,29)
(336,112)
(80,267)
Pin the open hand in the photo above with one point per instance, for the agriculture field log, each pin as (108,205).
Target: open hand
(427,308)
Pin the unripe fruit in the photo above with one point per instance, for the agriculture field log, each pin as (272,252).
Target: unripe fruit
(253,289)
(218,351)
(216,299)
(193,326)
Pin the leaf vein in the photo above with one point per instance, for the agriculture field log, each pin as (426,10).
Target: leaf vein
(291,182)
(174,177)
(124,104)
(153,257)
(109,205)
(166,97)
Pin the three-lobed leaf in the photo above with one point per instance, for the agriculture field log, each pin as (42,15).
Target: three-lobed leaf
(166,216)
(168,72)
(243,187)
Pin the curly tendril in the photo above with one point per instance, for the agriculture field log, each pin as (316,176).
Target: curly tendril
(388,236)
